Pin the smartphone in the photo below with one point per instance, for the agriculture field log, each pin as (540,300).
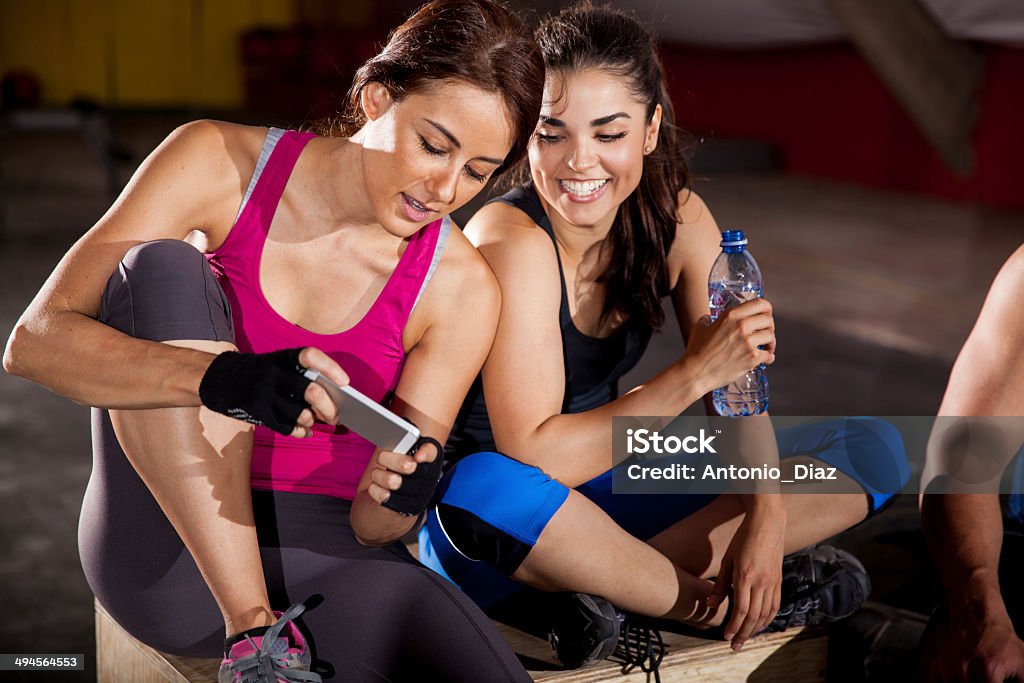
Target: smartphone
(367,418)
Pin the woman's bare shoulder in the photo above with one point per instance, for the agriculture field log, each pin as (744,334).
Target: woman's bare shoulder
(500,224)
(219,144)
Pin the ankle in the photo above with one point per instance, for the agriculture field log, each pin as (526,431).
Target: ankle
(258,617)
(230,641)
(704,618)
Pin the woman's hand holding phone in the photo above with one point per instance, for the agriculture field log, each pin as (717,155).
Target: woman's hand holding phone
(405,483)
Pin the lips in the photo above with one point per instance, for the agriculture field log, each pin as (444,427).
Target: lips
(414,210)
(583,190)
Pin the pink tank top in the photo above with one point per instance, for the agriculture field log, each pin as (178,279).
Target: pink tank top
(333,459)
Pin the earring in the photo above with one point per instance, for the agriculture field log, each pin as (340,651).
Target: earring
(647,149)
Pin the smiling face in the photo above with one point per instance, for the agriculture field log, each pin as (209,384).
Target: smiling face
(431,152)
(589,147)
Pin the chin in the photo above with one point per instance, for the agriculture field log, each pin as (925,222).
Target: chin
(585,214)
(400,226)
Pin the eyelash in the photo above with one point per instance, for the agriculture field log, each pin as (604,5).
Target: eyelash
(607,139)
(434,151)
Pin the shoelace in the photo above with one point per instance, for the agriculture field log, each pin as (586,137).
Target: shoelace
(270,667)
(807,602)
(639,646)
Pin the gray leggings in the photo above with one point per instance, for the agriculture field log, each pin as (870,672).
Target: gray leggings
(376,614)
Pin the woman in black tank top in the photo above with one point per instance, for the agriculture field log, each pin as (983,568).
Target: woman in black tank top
(584,251)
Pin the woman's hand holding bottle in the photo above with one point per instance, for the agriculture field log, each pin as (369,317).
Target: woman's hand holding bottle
(740,339)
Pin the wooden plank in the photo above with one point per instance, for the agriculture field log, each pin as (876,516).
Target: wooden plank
(122,659)
(794,656)
(933,76)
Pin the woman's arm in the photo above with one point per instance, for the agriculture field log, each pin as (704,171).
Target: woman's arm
(524,377)
(190,182)
(693,252)
(450,332)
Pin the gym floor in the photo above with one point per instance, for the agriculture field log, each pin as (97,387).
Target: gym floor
(874,293)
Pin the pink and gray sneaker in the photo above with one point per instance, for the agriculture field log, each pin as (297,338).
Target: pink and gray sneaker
(273,657)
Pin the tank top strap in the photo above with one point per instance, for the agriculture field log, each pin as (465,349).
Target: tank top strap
(280,151)
(525,199)
(417,266)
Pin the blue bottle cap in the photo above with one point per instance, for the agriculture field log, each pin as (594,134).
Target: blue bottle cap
(733,238)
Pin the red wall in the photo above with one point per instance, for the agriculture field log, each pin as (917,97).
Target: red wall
(832,117)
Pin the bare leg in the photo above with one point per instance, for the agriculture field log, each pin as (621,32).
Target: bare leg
(698,542)
(196,464)
(582,549)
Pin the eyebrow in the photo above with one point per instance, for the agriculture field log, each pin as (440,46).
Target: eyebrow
(455,141)
(559,123)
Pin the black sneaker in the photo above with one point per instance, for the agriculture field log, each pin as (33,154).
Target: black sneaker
(584,629)
(588,628)
(820,584)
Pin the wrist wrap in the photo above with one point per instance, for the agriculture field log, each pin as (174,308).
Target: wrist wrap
(260,388)
(417,489)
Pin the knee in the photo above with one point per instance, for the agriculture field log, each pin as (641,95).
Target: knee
(880,444)
(487,481)
(493,508)
(166,290)
(161,256)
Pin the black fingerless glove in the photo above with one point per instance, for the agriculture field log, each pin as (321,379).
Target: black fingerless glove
(262,388)
(417,489)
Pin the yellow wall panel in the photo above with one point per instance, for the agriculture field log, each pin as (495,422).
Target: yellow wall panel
(271,13)
(33,39)
(154,52)
(135,53)
(90,43)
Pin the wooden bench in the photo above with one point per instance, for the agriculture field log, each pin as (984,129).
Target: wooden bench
(794,657)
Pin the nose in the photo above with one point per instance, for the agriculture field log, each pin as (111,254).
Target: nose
(582,157)
(443,185)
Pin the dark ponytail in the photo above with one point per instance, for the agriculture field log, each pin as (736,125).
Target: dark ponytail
(477,42)
(585,37)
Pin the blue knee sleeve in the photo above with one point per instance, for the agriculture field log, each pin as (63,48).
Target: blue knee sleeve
(491,510)
(868,450)
(1016,508)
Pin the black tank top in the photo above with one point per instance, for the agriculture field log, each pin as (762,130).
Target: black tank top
(593,365)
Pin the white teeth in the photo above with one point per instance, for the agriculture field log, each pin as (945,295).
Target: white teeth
(582,188)
(415,204)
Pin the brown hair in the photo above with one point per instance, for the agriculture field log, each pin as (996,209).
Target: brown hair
(585,37)
(478,42)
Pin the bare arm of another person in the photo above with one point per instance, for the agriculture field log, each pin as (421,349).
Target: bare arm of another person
(965,531)
(450,332)
(193,181)
(524,377)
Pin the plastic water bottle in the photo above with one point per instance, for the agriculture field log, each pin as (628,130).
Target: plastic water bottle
(735,278)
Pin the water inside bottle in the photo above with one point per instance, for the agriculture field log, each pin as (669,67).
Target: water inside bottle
(724,295)
(748,395)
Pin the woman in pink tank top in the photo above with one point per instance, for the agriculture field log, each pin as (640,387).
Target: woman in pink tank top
(330,252)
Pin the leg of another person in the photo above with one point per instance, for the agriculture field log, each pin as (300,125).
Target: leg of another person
(579,547)
(194,462)
(868,455)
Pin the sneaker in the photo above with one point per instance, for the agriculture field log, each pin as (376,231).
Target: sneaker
(820,584)
(271,657)
(588,628)
(585,629)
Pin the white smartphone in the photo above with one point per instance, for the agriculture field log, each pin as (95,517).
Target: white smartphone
(367,418)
